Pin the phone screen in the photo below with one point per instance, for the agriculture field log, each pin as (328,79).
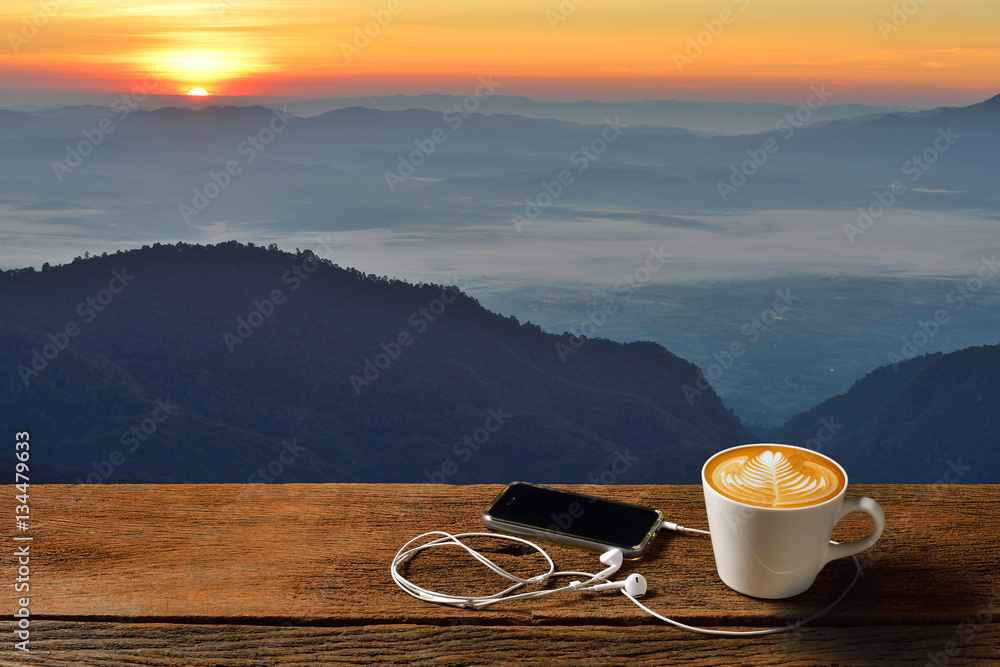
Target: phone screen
(563,512)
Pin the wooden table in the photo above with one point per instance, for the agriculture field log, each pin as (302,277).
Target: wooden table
(298,574)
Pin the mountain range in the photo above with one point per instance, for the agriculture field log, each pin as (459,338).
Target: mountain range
(156,159)
(868,217)
(236,363)
(485,97)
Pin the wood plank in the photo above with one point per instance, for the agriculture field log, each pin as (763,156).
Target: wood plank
(320,553)
(74,644)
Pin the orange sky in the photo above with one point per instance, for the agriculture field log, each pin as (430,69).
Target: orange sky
(944,53)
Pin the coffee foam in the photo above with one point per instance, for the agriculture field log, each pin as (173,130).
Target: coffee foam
(774,476)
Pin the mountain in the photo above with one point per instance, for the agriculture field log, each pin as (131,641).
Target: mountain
(680,115)
(18,124)
(356,168)
(676,115)
(233,363)
(931,419)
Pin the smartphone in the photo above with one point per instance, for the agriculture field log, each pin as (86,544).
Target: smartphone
(573,519)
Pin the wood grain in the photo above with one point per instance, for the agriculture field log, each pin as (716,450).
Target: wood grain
(70,644)
(174,572)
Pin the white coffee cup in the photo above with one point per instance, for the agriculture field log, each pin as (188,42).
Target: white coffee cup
(776,552)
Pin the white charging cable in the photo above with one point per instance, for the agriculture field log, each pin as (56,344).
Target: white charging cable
(633,587)
(681,529)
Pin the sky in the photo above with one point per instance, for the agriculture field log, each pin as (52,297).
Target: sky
(909,52)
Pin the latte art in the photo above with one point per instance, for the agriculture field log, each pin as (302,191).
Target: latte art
(770,476)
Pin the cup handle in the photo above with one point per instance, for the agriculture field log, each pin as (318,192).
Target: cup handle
(872,509)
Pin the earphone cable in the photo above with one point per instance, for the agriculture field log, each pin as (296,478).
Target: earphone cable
(446,539)
(751,633)
(476,602)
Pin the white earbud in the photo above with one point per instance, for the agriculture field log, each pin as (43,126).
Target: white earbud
(613,559)
(634,584)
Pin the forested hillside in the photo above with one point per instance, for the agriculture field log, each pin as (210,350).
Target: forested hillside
(932,419)
(234,362)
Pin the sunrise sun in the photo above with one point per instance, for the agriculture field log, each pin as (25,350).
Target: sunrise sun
(198,91)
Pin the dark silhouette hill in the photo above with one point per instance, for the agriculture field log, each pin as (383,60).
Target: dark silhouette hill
(931,419)
(232,362)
